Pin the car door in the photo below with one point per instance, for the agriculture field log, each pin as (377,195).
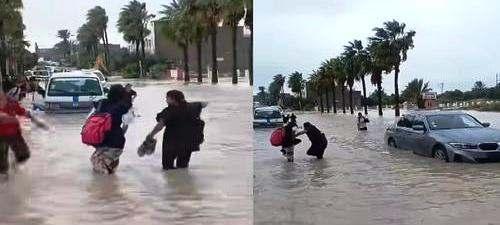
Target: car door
(416,138)
(402,132)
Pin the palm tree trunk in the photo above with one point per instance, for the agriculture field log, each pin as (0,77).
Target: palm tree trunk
(137,45)
(379,95)
(250,63)
(3,65)
(350,99)
(106,45)
(343,98)
(396,90)
(334,98)
(327,93)
(364,95)
(198,52)
(320,95)
(215,76)
(186,63)
(300,100)
(105,50)
(234,29)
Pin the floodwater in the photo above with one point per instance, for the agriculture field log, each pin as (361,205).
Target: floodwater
(57,185)
(361,181)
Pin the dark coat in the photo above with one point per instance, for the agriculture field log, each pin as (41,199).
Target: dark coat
(318,141)
(180,126)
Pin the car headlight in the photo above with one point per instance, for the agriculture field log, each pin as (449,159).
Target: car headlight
(459,145)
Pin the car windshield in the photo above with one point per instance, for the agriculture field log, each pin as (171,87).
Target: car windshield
(74,87)
(264,114)
(458,121)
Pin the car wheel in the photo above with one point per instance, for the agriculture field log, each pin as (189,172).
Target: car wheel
(440,154)
(392,143)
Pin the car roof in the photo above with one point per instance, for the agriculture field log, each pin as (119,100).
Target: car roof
(268,108)
(77,73)
(433,112)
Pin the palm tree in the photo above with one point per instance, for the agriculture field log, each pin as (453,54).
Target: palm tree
(316,85)
(297,84)
(377,64)
(211,13)
(234,11)
(414,91)
(249,24)
(199,34)
(362,66)
(330,73)
(98,22)
(132,23)
(177,26)
(9,12)
(398,41)
(64,44)
(340,77)
(88,41)
(351,69)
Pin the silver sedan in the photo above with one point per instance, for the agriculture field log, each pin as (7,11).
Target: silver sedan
(448,136)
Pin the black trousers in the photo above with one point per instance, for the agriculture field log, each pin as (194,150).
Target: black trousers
(179,153)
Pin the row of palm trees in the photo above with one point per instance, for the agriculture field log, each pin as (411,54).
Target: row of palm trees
(385,52)
(12,42)
(188,22)
(90,34)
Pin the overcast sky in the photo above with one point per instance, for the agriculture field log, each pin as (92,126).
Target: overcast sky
(457,41)
(44,17)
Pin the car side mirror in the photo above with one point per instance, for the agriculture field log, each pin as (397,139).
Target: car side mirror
(105,89)
(486,124)
(418,127)
(106,79)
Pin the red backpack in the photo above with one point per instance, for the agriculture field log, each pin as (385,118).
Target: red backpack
(95,128)
(277,137)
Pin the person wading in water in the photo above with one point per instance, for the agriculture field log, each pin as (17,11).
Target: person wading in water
(10,131)
(105,159)
(183,130)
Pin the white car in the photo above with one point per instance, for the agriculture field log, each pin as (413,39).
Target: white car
(270,116)
(72,92)
(102,79)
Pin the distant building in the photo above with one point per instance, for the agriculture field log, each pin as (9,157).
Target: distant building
(430,100)
(165,49)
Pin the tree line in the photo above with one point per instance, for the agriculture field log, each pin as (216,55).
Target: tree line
(383,54)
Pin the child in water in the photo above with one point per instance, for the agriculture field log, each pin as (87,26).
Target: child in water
(290,137)
(361,122)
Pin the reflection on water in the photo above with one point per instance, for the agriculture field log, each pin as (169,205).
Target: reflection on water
(57,185)
(361,181)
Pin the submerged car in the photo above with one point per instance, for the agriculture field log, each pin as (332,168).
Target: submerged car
(447,136)
(270,116)
(72,92)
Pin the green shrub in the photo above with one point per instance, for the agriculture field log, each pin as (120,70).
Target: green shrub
(130,71)
(157,71)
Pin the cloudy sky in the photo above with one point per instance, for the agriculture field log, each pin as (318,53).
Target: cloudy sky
(44,17)
(457,41)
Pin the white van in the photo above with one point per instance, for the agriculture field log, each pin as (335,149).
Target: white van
(72,92)
(98,73)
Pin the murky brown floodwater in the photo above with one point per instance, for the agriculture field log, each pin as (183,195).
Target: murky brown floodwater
(361,181)
(57,185)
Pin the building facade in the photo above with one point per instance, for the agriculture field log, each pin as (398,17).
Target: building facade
(168,50)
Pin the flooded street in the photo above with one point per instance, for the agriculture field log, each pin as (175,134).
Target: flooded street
(58,187)
(361,181)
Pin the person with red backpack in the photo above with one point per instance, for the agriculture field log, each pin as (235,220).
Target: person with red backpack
(105,123)
(10,131)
